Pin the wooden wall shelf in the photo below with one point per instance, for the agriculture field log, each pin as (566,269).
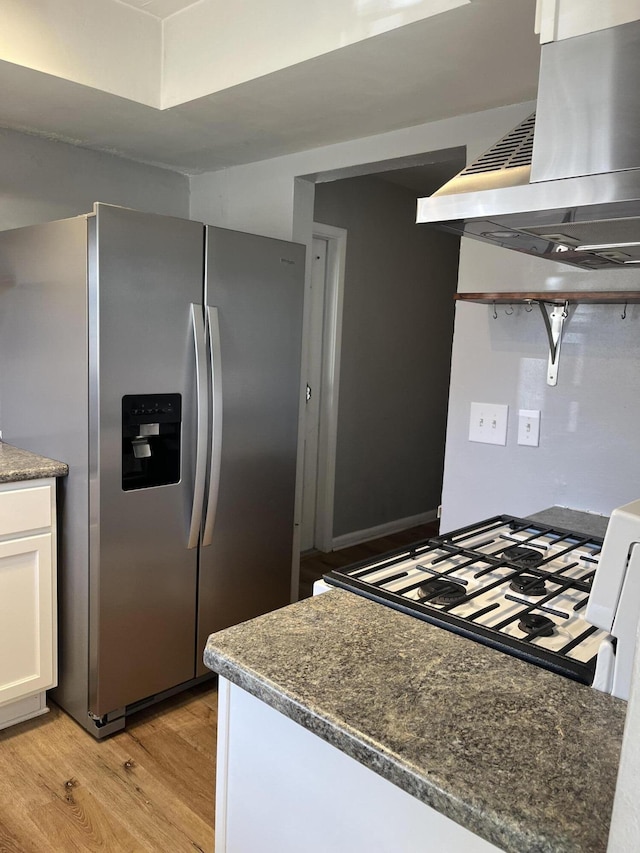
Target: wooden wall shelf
(554,319)
(553,297)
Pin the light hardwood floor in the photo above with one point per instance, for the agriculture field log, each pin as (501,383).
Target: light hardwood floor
(314,564)
(148,788)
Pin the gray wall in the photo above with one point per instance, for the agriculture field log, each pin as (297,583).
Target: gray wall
(589,453)
(396,348)
(42,180)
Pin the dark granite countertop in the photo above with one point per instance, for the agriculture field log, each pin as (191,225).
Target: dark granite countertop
(520,756)
(589,523)
(16,464)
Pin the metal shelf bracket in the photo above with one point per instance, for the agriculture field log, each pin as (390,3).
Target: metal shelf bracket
(554,324)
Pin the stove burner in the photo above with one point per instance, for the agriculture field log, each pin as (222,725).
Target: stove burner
(522,557)
(448,592)
(528,585)
(532,623)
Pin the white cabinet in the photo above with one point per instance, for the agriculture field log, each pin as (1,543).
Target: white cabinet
(561,19)
(28,647)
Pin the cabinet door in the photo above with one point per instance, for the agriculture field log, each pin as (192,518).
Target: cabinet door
(27,608)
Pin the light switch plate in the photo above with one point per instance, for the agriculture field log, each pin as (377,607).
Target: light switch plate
(488,423)
(529,427)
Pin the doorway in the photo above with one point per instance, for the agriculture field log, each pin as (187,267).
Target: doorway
(384,470)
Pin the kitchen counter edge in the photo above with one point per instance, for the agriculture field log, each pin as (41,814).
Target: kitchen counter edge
(17,465)
(338,665)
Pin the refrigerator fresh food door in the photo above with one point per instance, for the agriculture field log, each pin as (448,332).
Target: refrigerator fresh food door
(256,285)
(144,335)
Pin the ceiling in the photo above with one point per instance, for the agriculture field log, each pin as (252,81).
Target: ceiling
(481,55)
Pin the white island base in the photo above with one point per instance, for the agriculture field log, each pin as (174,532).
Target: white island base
(282,789)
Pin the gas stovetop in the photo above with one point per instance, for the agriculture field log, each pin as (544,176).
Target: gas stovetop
(513,584)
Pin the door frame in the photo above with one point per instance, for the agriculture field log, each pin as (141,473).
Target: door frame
(336,239)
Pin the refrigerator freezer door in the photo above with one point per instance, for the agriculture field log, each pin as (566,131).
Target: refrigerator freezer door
(149,269)
(257,286)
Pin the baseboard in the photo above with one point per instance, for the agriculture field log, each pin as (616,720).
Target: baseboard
(360,536)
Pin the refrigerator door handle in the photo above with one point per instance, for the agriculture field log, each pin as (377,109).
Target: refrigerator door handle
(200,352)
(215,354)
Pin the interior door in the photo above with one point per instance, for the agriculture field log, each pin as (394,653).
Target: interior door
(257,286)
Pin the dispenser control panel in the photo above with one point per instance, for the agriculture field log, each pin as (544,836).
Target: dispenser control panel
(151,440)
(149,408)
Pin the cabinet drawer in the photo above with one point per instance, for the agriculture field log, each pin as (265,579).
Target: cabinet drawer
(25,509)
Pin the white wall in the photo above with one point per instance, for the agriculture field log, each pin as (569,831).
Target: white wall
(41,180)
(588,456)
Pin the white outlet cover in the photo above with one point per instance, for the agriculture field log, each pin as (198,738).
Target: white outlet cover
(529,427)
(488,423)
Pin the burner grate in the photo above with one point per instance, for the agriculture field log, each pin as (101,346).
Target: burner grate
(472,583)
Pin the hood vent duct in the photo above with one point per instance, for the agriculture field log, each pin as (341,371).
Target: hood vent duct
(565,183)
(508,163)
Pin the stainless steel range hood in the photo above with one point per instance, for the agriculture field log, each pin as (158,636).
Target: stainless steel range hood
(565,184)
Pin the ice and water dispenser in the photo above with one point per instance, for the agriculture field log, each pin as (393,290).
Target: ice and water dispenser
(151,435)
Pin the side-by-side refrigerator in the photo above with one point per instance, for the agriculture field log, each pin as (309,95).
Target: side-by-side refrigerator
(159,358)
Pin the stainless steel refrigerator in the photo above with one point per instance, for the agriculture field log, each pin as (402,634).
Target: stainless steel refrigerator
(159,358)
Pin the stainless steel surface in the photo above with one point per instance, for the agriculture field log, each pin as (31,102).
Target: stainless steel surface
(43,311)
(215,355)
(103,307)
(585,169)
(598,200)
(506,164)
(588,114)
(149,273)
(257,286)
(200,357)
(86,662)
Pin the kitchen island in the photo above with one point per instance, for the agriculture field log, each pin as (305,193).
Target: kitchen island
(479,750)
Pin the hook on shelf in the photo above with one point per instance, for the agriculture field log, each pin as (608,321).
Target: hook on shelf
(623,316)
(509,313)
(495,313)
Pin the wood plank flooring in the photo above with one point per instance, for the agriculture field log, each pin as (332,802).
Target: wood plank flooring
(314,564)
(148,788)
